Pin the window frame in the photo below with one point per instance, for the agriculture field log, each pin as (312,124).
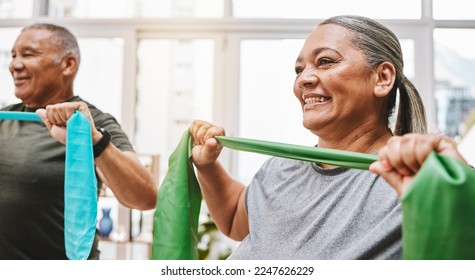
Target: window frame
(227,33)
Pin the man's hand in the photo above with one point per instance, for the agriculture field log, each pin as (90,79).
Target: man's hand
(55,118)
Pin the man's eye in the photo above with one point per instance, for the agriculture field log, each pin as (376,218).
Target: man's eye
(298,70)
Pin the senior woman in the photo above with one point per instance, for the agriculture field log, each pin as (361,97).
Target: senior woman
(348,74)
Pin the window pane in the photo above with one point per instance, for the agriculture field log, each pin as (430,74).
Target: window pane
(402,9)
(175,86)
(99,79)
(16,8)
(136,8)
(454,88)
(266,87)
(7,93)
(453,9)
(407,46)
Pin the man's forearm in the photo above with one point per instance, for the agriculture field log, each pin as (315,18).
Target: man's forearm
(130,182)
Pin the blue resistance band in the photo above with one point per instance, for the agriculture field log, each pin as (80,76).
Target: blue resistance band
(19,116)
(80,185)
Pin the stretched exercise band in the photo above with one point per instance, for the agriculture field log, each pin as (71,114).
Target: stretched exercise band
(19,116)
(438,209)
(80,185)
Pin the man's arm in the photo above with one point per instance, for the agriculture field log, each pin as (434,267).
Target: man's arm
(123,173)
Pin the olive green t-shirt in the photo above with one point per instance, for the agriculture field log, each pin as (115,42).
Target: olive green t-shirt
(32,186)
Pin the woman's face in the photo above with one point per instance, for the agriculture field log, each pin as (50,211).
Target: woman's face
(334,83)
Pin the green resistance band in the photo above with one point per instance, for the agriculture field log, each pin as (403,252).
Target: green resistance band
(312,154)
(179,200)
(439,211)
(80,185)
(178,208)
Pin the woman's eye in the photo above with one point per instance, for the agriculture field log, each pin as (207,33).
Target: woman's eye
(298,70)
(324,61)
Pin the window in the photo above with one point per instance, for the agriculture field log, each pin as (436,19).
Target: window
(99,79)
(7,95)
(313,9)
(454,84)
(16,9)
(268,108)
(135,8)
(157,75)
(175,86)
(453,9)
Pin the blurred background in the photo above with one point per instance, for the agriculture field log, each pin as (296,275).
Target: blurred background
(158,64)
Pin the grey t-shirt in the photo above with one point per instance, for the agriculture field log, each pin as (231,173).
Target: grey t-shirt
(298,210)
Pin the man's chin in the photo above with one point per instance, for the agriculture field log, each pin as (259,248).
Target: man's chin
(22,96)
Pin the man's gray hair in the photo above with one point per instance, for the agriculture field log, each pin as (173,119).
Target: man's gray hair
(61,36)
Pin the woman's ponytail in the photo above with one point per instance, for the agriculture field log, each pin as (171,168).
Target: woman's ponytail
(411,113)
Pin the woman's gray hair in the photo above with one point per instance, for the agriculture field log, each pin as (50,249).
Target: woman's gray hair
(379,44)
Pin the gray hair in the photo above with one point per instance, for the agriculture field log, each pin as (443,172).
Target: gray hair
(61,36)
(379,44)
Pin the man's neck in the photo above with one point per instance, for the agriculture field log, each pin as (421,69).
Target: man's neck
(50,101)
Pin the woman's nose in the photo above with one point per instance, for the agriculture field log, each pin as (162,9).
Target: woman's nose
(307,78)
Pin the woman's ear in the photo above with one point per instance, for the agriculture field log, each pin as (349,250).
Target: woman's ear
(385,78)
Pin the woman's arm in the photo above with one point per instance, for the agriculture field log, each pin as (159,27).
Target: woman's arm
(224,196)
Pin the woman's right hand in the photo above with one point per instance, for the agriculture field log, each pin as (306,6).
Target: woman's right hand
(206,149)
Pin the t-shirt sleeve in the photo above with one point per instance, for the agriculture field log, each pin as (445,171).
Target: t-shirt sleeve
(109,123)
(118,136)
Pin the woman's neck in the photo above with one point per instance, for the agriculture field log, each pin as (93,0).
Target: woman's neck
(362,140)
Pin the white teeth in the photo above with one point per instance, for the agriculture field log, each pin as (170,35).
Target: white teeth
(316,100)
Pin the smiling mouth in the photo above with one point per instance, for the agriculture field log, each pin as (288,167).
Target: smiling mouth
(312,100)
(20,80)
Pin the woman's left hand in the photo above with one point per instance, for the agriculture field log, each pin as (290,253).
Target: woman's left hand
(403,156)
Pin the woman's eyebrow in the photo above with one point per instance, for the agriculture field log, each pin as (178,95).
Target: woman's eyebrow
(317,51)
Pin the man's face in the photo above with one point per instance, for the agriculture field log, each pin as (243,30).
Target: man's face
(36,67)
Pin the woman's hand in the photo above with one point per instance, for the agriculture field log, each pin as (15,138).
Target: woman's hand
(403,156)
(206,149)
